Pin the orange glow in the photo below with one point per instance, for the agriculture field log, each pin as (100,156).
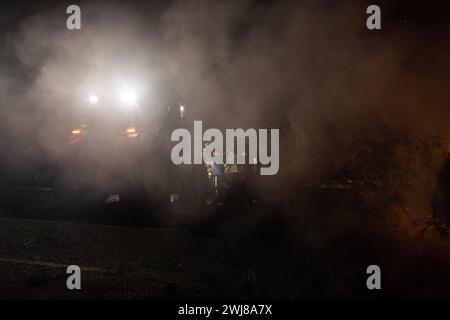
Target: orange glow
(76,132)
(132,132)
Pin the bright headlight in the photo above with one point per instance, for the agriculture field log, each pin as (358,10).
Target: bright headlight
(128,96)
(93,99)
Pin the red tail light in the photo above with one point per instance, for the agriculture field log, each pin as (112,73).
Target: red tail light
(132,132)
(76,132)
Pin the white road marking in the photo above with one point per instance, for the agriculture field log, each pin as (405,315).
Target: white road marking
(51,265)
(70,222)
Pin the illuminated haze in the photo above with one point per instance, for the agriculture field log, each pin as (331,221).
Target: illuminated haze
(247,64)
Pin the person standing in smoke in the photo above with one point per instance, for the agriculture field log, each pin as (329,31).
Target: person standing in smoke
(216,171)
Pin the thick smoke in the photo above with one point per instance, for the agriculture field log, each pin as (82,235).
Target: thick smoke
(296,65)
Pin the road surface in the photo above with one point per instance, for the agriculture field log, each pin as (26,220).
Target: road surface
(131,262)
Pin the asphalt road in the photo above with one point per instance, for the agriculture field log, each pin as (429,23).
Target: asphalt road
(131,262)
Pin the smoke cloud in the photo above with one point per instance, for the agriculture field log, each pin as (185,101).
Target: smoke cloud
(298,66)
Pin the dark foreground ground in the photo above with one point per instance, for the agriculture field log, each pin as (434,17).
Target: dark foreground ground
(131,262)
